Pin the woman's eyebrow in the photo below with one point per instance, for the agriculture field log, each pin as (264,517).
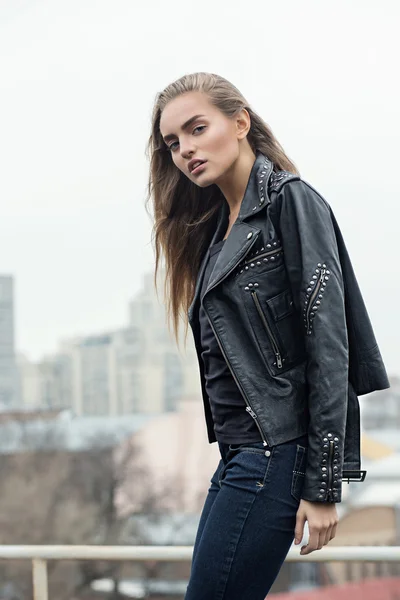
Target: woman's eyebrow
(184,126)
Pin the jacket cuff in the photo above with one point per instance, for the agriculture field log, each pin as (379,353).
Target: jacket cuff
(323,480)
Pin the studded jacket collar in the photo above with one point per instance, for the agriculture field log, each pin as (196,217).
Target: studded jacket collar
(286,309)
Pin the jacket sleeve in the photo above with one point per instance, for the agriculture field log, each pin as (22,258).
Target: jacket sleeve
(313,267)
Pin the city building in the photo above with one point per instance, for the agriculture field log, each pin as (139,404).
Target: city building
(9,384)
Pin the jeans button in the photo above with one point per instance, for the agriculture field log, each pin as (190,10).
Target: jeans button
(267,453)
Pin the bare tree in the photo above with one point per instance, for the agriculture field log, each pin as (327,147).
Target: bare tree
(54,496)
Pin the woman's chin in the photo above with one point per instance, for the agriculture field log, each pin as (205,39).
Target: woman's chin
(204,181)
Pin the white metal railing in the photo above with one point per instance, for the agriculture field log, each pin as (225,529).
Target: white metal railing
(39,555)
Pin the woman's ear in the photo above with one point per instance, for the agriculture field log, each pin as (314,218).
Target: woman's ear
(243,123)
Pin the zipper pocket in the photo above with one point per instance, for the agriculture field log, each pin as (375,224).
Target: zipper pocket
(275,345)
(309,315)
(262,255)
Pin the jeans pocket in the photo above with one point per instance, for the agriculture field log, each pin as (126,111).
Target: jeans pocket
(298,473)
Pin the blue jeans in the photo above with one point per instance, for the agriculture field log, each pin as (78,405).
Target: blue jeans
(248,519)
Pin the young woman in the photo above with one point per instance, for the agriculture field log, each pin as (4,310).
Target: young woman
(256,260)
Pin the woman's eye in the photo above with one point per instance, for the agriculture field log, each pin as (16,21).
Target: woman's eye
(170,147)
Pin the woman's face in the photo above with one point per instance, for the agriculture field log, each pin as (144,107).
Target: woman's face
(210,137)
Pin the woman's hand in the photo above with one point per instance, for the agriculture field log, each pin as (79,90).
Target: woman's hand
(322,520)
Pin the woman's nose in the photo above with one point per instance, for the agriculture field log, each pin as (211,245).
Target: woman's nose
(187,149)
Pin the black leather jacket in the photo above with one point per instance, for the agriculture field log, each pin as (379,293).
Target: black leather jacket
(284,304)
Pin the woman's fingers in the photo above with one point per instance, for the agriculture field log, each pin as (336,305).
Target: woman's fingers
(322,522)
(313,542)
(333,532)
(328,535)
(319,538)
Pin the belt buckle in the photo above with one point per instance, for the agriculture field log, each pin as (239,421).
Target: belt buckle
(356,475)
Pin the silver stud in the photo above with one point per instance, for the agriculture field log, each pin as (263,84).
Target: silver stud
(335,439)
(246,267)
(267,453)
(246,288)
(329,435)
(249,235)
(250,284)
(256,285)
(252,264)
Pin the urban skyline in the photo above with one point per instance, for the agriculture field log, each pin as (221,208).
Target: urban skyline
(133,369)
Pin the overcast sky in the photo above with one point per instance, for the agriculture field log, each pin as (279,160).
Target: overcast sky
(77,84)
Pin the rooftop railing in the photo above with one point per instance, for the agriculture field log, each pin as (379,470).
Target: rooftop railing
(39,555)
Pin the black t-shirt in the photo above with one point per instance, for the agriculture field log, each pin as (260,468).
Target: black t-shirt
(232,423)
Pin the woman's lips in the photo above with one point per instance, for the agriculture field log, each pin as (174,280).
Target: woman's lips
(199,168)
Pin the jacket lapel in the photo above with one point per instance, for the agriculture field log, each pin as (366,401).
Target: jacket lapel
(242,236)
(238,243)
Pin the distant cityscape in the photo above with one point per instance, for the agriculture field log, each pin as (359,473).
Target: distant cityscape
(131,370)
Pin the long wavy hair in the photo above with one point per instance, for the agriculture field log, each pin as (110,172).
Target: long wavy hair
(185,215)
